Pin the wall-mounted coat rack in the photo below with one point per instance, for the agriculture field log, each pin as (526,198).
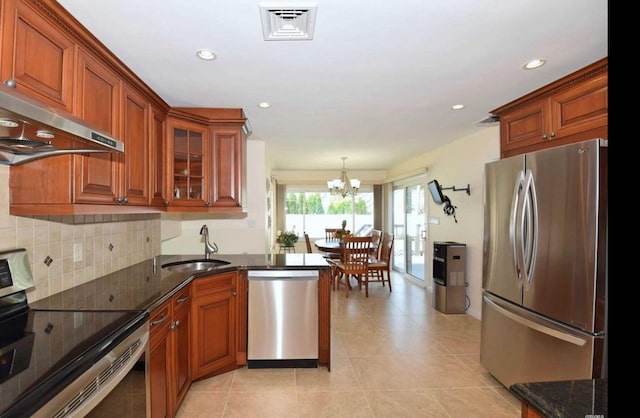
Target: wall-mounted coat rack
(466,189)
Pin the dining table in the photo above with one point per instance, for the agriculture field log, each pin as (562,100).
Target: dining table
(332,246)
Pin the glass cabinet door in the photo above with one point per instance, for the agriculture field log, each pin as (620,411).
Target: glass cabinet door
(188,174)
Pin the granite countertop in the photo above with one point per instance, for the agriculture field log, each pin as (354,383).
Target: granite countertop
(146,285)
(566,399)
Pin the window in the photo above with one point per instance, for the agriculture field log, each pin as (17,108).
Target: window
(312,209)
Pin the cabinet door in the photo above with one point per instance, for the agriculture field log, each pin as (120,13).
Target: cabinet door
(214,325)
(37,55)
(159,361)
(98,103)
(581,109)
(181,344)
(157,158)
(226,167)
(134,176)
(524,126)
(188,149)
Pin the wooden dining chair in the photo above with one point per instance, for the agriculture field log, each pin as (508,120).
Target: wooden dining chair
(308,242)
(376,239)
(329,234)
(379,266)
(356,253)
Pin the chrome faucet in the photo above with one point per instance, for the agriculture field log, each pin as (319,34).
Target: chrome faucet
(208,248)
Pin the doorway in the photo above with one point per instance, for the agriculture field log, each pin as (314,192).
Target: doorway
(409,224)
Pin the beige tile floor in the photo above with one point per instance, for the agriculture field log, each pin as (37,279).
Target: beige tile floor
(392,355)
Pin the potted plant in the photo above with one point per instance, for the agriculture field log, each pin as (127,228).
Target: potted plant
(287,238)
(342,232)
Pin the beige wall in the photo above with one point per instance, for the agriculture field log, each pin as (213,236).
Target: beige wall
(134,238)
(457,164)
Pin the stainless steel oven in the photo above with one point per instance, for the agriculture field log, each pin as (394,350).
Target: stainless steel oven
(57,363)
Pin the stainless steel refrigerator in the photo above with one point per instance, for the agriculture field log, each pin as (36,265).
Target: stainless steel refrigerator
(544,307)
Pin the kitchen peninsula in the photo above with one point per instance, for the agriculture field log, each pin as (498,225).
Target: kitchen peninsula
(215,314)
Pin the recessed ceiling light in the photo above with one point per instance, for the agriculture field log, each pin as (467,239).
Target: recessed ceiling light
(533,64)
(457,106)
(206,54)
(264,105)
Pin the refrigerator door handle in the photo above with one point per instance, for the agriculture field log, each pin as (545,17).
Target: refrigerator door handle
(529,228)
(514,233)
(535,326)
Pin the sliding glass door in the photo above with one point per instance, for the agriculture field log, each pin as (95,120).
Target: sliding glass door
(409,218)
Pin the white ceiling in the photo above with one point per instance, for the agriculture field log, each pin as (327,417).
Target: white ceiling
(375,83)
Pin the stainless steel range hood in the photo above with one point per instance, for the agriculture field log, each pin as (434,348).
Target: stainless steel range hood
(30,130)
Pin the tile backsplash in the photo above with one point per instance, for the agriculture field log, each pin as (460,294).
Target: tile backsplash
(101,244)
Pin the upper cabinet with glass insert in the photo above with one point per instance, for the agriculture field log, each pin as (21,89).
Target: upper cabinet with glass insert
(188,144)
(207,161)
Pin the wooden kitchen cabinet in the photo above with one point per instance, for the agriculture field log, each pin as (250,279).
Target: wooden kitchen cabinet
(572,109)
(113,178)
(214,321)
(95,183)
(188,146)
(226,166)
(206,148)
(158,157)
(159,360)
(169,348)
(134,174)
(98,103)
(36,55)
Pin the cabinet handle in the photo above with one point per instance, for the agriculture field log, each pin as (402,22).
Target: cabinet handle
(182,299)
(234,293)
(159,321)
(177,324)
(553,134)
(125,200)
(206,203)
(166,203)
(544,136)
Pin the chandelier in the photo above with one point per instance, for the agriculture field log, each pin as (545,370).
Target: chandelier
(343,186)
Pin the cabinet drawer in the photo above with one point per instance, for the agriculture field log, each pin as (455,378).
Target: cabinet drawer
(159,323)
(214,284)
(182,300)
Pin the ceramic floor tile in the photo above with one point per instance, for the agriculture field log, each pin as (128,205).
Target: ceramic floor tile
(203,404)
(392,355)
(404,404)
(333,405)
(479,402)
(264,380)
(263,404)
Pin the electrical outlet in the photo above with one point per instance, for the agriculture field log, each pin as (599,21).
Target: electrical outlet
(77,319)
(77,252)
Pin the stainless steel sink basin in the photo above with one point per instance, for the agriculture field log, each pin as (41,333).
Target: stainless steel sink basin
(194,265)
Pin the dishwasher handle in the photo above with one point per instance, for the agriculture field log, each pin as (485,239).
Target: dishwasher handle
(283,274)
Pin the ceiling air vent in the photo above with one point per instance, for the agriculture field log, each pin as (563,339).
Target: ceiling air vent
(488,121)
(288,21)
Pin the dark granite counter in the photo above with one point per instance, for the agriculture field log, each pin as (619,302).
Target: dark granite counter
(566,399)
(144,286)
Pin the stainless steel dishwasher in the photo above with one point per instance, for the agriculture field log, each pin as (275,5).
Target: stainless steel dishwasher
(283,319)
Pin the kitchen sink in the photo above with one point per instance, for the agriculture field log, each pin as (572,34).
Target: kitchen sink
(194,265)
